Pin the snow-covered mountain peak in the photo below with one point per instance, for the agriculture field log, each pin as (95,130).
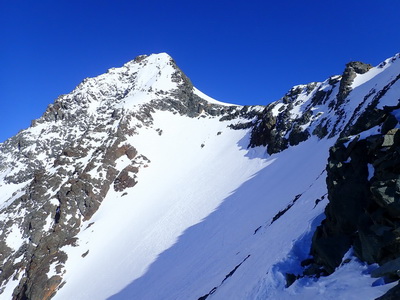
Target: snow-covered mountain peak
(156,72)
(139,81)
(152,59)
(153,80)
(116,103)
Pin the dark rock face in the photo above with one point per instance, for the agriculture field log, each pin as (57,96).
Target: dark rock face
(359,67)
(347,183)
(184,101)
(373,116)
(364,202)
(125,180)
(271,129)
(297,136)
(264,133)
(352,69)
(277,129)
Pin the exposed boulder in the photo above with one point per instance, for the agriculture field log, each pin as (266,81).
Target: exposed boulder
(297,136)
(125,179)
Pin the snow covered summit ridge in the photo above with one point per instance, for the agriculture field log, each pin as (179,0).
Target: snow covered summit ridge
(146,74)
(149,79)
(139,81)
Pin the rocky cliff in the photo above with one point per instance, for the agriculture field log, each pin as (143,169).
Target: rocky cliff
(363,169)
(363,180)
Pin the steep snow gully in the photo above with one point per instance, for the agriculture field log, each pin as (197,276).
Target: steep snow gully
(136,185)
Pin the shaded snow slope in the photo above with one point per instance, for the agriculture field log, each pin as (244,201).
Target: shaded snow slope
(183,184)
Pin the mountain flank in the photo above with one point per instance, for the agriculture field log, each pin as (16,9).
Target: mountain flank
(136,185)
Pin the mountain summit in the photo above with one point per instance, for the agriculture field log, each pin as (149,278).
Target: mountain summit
(136,185)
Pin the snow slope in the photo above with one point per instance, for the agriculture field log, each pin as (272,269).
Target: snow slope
(182,186)
(181,239)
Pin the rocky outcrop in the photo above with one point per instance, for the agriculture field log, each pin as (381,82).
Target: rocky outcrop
(126,178)
(352,69)
(317,109)
(280,125)
(363,180)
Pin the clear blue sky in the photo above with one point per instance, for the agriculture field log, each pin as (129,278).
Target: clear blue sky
(245,52)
